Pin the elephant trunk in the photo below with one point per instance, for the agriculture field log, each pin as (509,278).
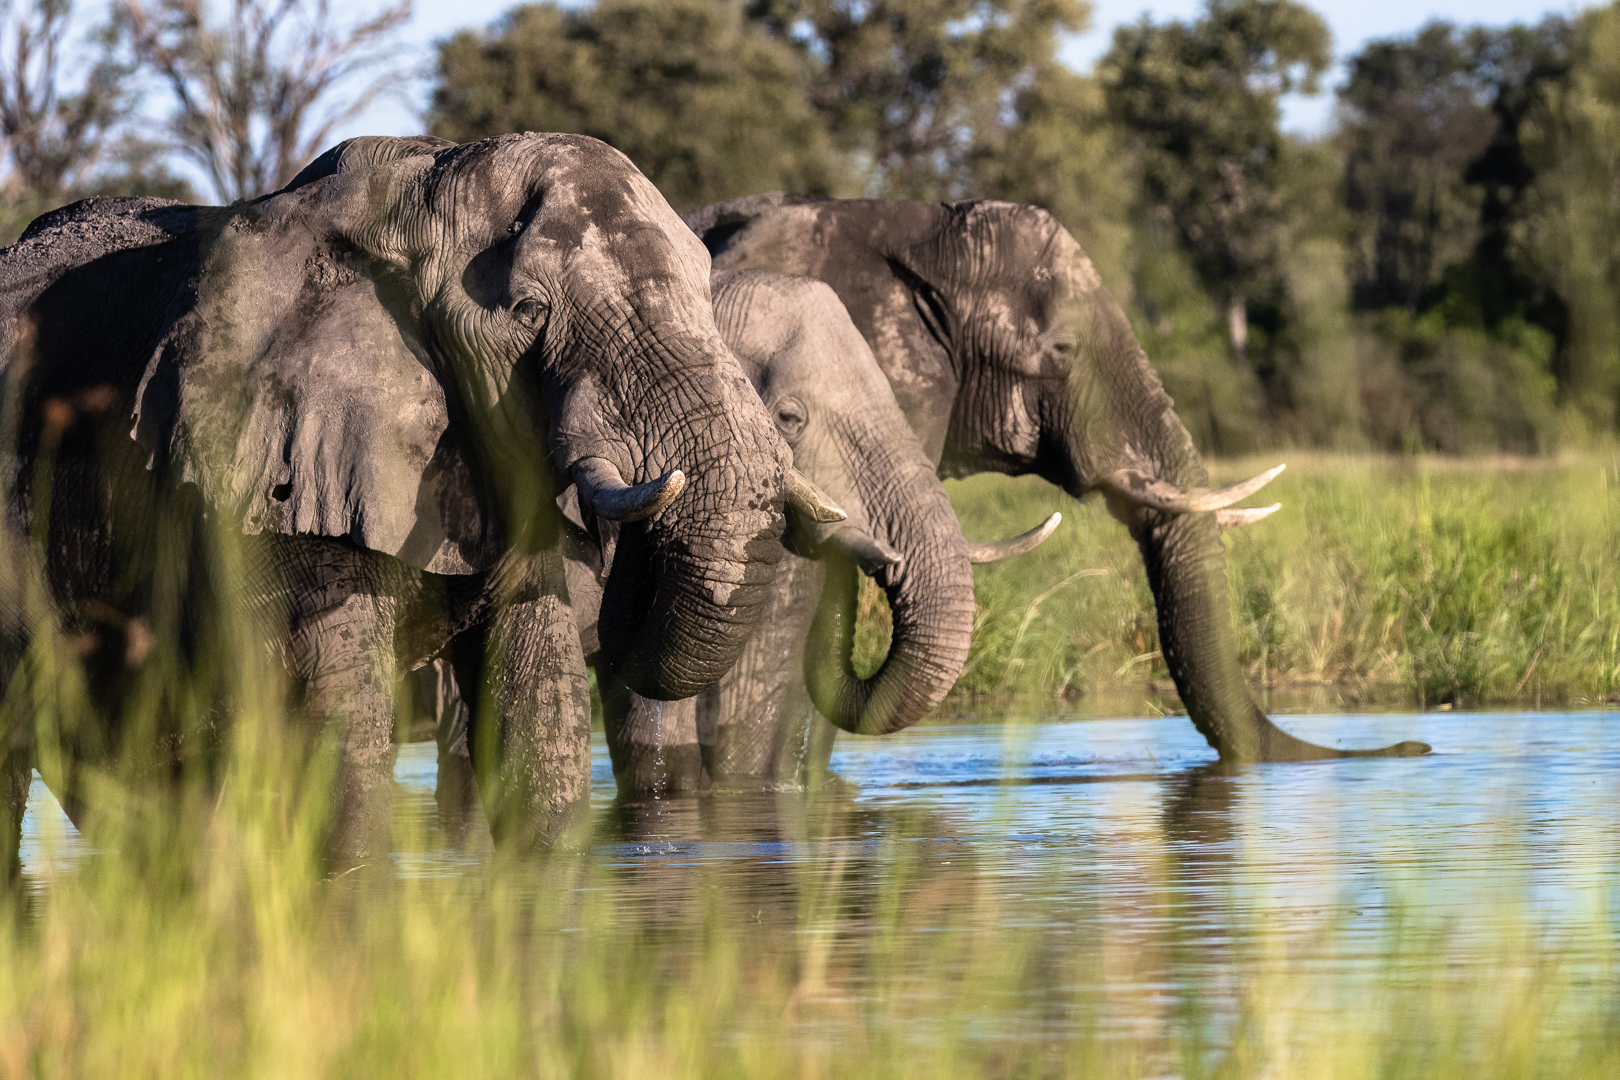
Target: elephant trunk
(690,581)
(1185,567)
(1130,423)
(673,618)
(930,591)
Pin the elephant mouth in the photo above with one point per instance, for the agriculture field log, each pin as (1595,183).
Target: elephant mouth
(672,622)
(679,604)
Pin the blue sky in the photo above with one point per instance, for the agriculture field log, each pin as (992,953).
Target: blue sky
(1353,22)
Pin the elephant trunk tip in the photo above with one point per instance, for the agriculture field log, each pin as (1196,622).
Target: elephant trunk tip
(1276,745)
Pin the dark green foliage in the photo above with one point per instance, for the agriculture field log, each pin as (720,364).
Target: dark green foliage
(1570,233)
(1471,349)
(1200,101)
(1440,272)
(1414,115)
(916,89)
(705,103)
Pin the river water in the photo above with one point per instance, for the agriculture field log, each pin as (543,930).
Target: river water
(1120,840)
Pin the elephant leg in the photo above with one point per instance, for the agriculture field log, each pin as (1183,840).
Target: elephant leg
(654,744)
(350,691)
(456,790)
(16,776)
(529,725)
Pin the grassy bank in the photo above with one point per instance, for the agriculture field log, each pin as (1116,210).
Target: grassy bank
(1390,580)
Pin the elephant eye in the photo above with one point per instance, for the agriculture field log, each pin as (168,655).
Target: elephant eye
(529,310)
(791,417)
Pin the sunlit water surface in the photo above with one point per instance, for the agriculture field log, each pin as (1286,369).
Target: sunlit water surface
(1117,839)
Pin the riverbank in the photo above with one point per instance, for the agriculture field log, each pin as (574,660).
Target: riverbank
(1385,581)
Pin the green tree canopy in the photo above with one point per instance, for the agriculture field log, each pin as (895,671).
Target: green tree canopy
(1571,232)
(1414,115)
(1201,102)
(706,103)
(916,89)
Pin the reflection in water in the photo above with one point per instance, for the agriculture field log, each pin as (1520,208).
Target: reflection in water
(1126,877)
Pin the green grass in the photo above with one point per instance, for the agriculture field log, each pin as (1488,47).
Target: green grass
(204,939)
(1388,580)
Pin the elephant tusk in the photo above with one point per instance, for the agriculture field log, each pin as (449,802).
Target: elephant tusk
(1236,519)
(1163,495)
(809,500)
(864,549)
(995,551)
(604,491)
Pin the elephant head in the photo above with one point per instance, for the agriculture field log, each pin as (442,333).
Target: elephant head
(821,384)
(822,387)
(1007,354)
(417,344)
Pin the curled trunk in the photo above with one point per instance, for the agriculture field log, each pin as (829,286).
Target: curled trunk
(930,599)
(692,562)
(675,616)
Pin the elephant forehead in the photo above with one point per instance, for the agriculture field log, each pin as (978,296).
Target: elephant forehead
(1069,267)
(623,222)
(786,240)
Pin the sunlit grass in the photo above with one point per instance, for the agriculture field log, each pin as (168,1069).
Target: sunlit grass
(203,940)
(1418,581)
(203,935)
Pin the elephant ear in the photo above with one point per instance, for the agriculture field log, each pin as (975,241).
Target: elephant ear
(297,402)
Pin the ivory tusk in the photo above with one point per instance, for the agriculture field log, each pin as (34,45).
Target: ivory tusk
(995,551)
(1163,495)
(604,491)
(809,500)
(867,551)
(1237,518)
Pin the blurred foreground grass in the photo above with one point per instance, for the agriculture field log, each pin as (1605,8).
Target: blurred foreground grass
(200,936)
(201,940)
(1418,581)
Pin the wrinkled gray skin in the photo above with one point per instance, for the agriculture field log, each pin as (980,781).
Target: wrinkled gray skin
(1007,355)
(755,728)
(383,374)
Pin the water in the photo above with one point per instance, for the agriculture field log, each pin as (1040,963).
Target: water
(1119,841)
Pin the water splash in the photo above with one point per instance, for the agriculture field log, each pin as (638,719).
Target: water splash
(660,769)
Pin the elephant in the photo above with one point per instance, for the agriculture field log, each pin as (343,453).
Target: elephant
(375,381)
(1007,354)
(755,728)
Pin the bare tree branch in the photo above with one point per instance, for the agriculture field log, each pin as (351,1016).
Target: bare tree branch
(52,136)
(254,93)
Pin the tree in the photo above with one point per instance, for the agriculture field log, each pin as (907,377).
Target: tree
(1414,114)
(1571,138)
(706,104)
(914,89)
(1520,65)
(1200,101)
(253,94)
(55,133)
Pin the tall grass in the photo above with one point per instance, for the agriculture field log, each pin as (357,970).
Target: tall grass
(1416,581)
(202,939)
(203,935)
